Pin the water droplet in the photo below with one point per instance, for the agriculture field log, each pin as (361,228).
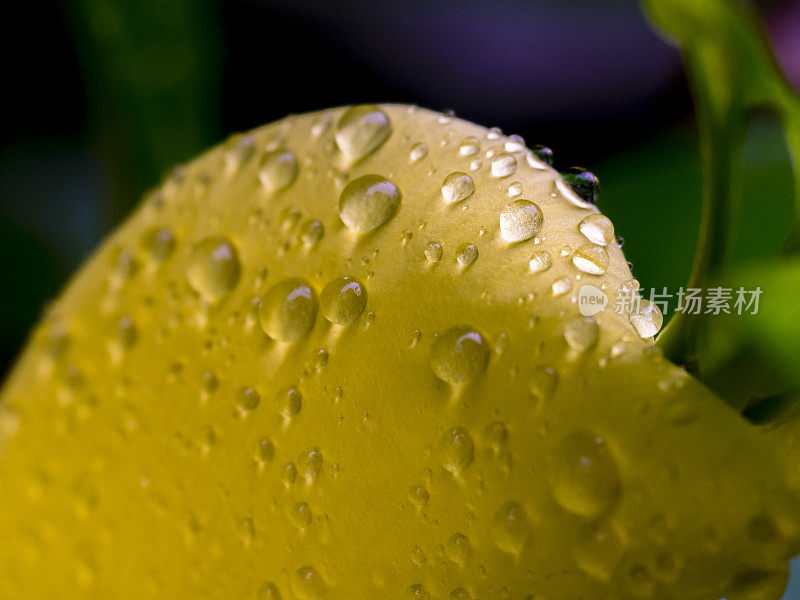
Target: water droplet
(640,581)
(459,355)
(598,551)
(312,232)
(248,399)
(159,242)
(648,320)
(368,202)
(494,133)
(515,143)
(540,261)
(759,585)
(466,255)
(418,496)
(433,251)
(300,515)
(268,591)
(496,435)
(308,583)
(581,333)
(343,300)
(418,152)
(515,189)
(418,556)
(543,382)
(583,182)
(458,549)
(278,170)
(503,165)
(561,286)
(469,147)
(544,154)
(289,401)
(213,268)
(311,463)
(288,310)
(520,220)
(598,229)
(361,130)
(456,450)
(418,592)
(289,473)
(265,450)
(127,333)
(460,594)
(584,475)
(510,529)
(591,259)
(456,187)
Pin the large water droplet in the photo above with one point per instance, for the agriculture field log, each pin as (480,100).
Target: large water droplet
(343,300)
(510,528)
(504,165)
(583,182)
(584,475)
(647,321)
(591,259)
(308,583)
(598,229)
(540,261)
(213,268)
(459,355)
(288,310)
(456,450)
(361,130)
(278,170)
(368,202)
(520,220)
(456,187)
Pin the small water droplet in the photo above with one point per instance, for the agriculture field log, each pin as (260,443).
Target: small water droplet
(418,592)
(543,154)
(248,399)
(591,259)
(301,515)
(458,549)
(312,231)
(648,320)
(466,255)
(268,591)
(598,229)
(496,435)
(469,146)
(288,310)
(343,300)
(289,473)
(361,130)
(520,220)
(460,354)
(418,152)
(515,143)
(510,528)
(598,550)
(456,187)
(561,286)
(368,202)
(583,474)
(159,242)
(289,401)
(278,170)
(542,383)
(540,261)
(503,165)
(581,333)
(265,450)
(583,182)
(418,556)
(433,251)
(308,583)
(460,594)
(456,450)
(515,189)
(311,463)
(213,269)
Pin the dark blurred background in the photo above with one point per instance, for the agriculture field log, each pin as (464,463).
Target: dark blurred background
(103,96)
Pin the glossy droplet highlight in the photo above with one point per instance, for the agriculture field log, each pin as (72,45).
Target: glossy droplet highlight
(510,528)
(418,152)
(248,399)
(469,147)
(456,187)
(289,401)
(278,170)
(584,475)
(647,321)
(459,355)
(456,450)
(561,286)
(591,259)
(361,130)
(288,310)
(343,300)
(466,255)
(214,268)
(540,261)
(520,220)
(598,229)
(583,182)
(368,202)
(433,252)
(504,165)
